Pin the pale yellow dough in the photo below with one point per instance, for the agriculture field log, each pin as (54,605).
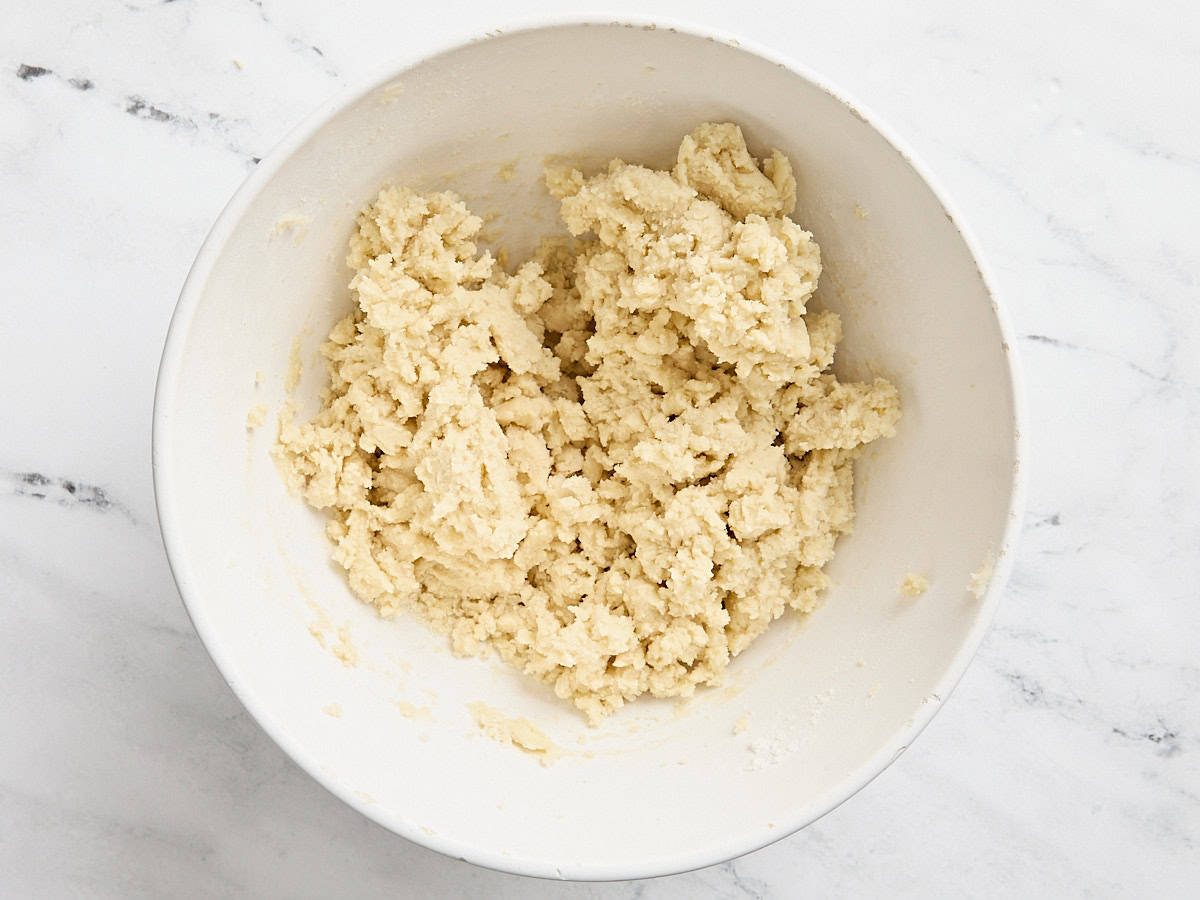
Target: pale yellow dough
(616,466)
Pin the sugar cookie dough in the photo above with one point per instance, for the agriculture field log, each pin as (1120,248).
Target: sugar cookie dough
(617,465)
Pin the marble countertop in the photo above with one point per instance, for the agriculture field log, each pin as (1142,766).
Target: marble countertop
(1068,760)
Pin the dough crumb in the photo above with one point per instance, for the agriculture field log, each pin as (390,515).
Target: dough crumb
(860,212)
(344,649)
(295,367)
(914,585)
(977,584)
(317,633)
(520,733)
(295,223)
(615,465)
(333,710)
(740,726)
(508,171)
(409,711)
(238,63)
(256,417)
(259,378)
(320,625)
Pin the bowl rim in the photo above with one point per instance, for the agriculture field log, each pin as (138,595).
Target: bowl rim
(168,512)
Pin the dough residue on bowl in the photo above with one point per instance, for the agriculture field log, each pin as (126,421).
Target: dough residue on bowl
(521,733)
(616,465)
(979,580)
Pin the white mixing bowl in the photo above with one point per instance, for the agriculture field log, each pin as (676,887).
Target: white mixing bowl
(658,788)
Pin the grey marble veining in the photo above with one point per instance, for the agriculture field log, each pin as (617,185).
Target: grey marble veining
(1068,760)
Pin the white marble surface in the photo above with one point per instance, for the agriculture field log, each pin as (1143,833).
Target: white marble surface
(1068,761)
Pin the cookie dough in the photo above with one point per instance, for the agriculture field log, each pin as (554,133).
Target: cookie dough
(615,466)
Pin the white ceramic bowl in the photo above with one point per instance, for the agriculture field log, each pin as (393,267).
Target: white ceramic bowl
(657,789)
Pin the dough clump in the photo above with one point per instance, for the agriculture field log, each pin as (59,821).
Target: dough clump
(615,466)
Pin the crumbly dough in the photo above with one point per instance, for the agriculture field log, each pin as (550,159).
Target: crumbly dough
(617,465)
(914,585)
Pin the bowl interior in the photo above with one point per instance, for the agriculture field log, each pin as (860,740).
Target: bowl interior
(660,787)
